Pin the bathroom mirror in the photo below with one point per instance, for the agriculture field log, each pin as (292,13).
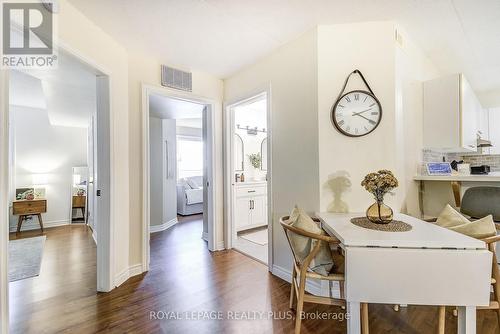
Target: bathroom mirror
(79,194)
(239,154)
(263,154)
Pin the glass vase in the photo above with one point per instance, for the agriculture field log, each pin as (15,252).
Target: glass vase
(379,213)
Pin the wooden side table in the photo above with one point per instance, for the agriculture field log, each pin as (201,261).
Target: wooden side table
(25,208)
(79,203)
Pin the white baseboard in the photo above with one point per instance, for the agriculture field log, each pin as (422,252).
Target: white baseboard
(136,269)
(94,236)
(315,287)
(34,225)
(162,227)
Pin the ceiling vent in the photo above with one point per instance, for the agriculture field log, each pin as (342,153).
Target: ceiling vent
(174,78)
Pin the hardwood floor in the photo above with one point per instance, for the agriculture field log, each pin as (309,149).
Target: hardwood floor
(184,278)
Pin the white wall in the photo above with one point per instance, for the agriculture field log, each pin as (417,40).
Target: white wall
(43,148)
(291,72)
(341,49)
(395,73)
(412,68)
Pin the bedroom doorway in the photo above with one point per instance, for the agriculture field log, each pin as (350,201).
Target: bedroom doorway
(178,134)
(249,166)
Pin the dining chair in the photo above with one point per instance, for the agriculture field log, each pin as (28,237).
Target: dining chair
(495,282)
(479,202)
(302,272)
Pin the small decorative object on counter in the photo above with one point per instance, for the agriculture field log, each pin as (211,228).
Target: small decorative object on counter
(255,160)
(80,192)
(379,184)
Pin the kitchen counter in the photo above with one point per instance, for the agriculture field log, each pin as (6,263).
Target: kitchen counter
(491,177)
(455,181)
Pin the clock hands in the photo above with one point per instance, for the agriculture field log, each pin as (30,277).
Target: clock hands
(358,113)
(369,120)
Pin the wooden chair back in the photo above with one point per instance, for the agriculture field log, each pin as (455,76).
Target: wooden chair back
(290,230)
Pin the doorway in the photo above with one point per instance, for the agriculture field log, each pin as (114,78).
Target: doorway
(38,172)
(178,134)
(249,173)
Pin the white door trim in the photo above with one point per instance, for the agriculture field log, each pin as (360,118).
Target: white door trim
(4,201)
(147,90)
(228,166)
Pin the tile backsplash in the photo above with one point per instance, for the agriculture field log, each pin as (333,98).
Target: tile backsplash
(492,160)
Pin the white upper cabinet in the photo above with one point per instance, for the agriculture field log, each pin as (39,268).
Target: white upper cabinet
(452,114)
(494,132)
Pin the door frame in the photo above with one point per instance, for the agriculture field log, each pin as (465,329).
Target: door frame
(229,132)
(209,110)
(105,233)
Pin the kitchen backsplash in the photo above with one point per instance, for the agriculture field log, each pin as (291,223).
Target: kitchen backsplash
(477,160)
(492,160)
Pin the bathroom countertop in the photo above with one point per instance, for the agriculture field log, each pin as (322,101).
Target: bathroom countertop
(250,183)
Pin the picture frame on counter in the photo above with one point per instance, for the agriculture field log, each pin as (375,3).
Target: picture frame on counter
(438,168)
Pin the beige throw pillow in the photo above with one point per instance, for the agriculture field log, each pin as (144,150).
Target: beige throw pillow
(450,217)
(302,246)
(453,220)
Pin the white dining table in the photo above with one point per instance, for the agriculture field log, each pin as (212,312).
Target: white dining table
(428,265)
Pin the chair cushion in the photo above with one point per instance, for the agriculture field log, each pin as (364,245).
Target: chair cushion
(453,220)
(302,245)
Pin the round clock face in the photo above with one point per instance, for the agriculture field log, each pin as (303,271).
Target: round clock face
(356,113)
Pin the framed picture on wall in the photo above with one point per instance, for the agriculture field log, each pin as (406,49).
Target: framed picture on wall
(39,193)
(25,193)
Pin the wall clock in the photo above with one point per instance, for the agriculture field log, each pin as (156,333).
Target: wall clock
(358,112)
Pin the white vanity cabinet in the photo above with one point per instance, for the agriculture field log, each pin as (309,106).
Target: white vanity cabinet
(250,205)
(451,114)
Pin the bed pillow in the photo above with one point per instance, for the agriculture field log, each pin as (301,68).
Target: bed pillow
(302,246)
(453,220)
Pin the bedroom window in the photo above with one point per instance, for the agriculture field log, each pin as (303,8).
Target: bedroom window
(189,156)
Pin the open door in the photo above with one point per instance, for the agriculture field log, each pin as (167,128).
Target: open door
(102,191)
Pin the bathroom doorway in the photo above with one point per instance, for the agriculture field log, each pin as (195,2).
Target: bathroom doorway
(248,143)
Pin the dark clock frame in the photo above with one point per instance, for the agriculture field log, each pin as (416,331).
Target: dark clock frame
(334,107)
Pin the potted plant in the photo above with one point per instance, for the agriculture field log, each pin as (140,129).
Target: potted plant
(255,161)
(379,183)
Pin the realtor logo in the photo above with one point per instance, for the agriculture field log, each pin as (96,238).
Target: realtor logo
(28,35)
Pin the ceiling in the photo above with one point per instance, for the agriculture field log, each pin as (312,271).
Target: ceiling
(67,94)
(169,108)
(222,36)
